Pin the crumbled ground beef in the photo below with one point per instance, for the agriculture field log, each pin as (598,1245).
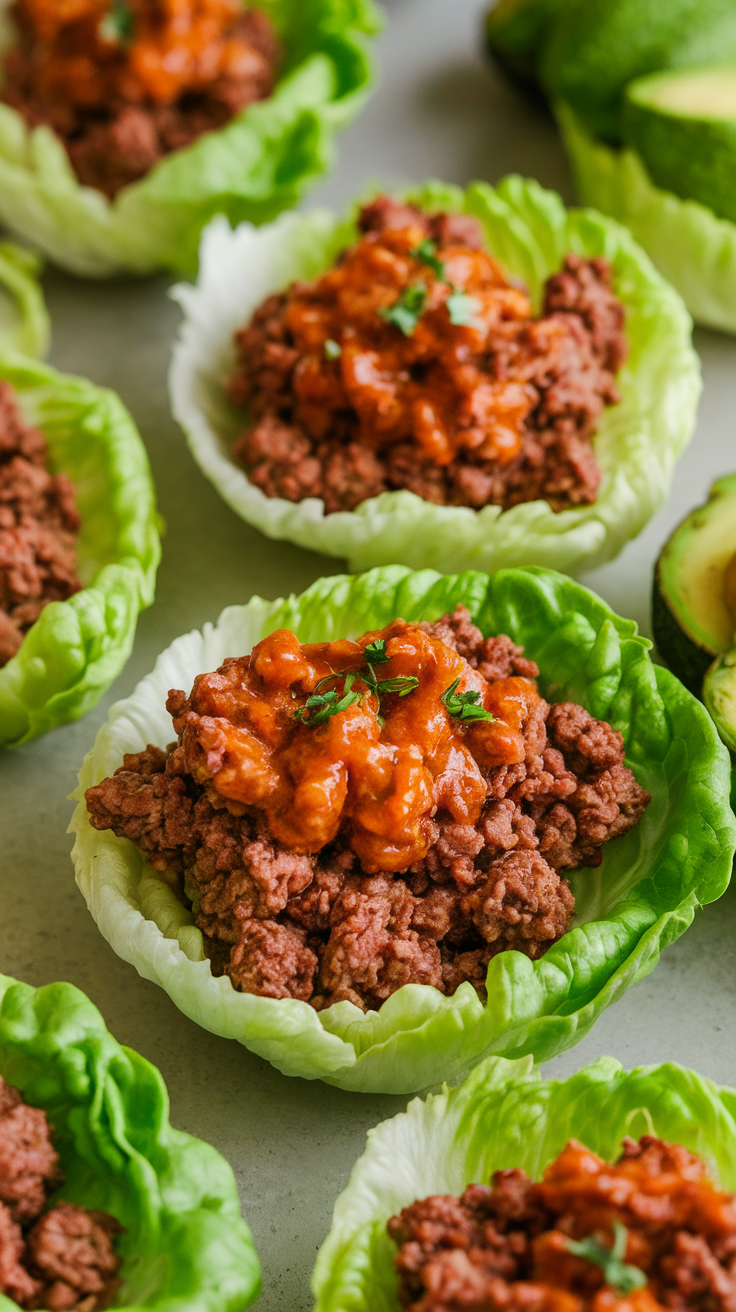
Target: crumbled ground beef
(314,925)
(59,1257)
(495,412)
(119,105)
(39,525)
(505,1246)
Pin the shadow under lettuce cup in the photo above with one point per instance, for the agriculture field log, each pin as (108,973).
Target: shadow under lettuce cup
(185,1243)
(505,1116)
(643,895)
(258,165)
(528,229)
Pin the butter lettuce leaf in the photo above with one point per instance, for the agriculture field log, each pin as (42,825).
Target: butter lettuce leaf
(643,895)
(529,229)
(24,320)
(258,165)
(690,245)
(505,1115)
(77,647)
(185,1245)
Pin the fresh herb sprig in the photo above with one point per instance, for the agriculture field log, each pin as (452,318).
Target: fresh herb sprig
(619,1275)
(118,25)
(406,312)
(464,705)
(321,706)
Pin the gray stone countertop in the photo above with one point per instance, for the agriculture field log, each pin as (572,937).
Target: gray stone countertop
(442,111)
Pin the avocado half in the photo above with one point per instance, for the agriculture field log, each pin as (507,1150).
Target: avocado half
(694,594)
(683,125)
(516,31)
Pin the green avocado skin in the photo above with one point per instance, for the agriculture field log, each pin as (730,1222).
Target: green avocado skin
(516,31)
(694,158)
(684,657)
(597,47)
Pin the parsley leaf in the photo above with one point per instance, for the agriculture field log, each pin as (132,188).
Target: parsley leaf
(375,652)
(118,24)
(405,313)
(426,253)
(333,349)
(402,684)
(321,706)
(620,1275)
(464,705)
(462,308)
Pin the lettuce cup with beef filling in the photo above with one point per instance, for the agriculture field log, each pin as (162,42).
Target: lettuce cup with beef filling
(381,830)
(79,544)
(126,124)
(609,1190)
(24,320)
(102,1202)
(453,379)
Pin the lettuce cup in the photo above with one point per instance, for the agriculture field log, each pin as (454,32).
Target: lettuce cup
(115,155)
(112,1205)
(370,919)
(81,546)
(447,420)
(24,320)
(576,1238)
(692,246)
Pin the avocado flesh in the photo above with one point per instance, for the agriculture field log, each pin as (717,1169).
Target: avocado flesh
(683,126)
(596,47)
(691,618)
(719,695)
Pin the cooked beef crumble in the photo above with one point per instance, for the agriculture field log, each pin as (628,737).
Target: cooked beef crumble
(506,1246)
(481,866)
(124,84)
(470,401)
(39,524)
(58,1257)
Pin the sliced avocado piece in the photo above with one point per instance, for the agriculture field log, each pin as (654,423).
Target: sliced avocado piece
(683,125)
(692,618)
(719,695)
(596,47)
(516,31)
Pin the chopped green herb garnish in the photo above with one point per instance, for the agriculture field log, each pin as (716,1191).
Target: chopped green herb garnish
(462,308)
(619,1275)
(321,706)
(464,705)
(375,652)
(118,24)
(405,313)
(426,253)
(333,350)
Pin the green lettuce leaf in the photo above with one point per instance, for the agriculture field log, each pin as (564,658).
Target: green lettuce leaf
(695,250)
(186,1246)
(643,895)
(24,320)
(503,1116)
(637,444)
(77,647)
(258,165)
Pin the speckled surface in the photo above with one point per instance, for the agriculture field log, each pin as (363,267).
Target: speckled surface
(441,111)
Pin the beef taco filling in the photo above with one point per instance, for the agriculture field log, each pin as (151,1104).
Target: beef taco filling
(39,527)
(55,1257)
(651,1231)
(416,363)
(125,82)
(351,816)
